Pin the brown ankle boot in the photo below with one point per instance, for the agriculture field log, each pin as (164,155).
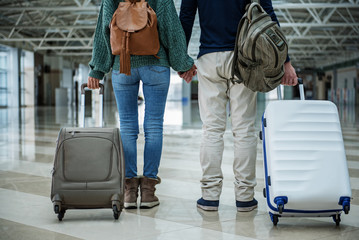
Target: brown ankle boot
(131,192)
(148,198)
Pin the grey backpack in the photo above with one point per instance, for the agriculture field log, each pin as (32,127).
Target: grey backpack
(260,51)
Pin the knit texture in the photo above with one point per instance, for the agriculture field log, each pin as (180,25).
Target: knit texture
(173,47)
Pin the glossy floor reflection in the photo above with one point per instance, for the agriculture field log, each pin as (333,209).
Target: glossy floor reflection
(27,145)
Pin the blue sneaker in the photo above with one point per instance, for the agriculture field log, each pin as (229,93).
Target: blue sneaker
(246,206)
(207,205)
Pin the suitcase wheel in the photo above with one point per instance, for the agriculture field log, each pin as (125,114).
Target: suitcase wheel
(57,209)
(61,215)
(260,135)
(280,201)
(346,209)
(264,193)
(280,208)
(60,212)
(116,212)
(336,219)
(345,202)
(274,218)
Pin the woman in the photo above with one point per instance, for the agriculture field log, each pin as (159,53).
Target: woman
(155,76)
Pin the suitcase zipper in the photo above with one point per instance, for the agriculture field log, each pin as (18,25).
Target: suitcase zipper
(85,132)
(111,163)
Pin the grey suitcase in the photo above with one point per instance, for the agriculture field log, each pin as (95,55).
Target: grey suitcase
(88,167)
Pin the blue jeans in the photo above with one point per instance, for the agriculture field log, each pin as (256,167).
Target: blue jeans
(155,81)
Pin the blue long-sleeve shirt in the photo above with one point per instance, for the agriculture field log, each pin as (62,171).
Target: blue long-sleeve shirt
(218,21)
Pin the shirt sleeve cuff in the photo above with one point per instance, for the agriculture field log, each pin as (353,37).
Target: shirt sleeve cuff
(288,59)
(185,66)
(96,74)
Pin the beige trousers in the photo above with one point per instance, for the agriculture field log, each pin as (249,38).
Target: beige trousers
(213,75)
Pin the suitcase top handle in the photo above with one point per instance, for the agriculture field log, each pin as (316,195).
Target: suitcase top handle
(82,118)
(84,85)
(301,90)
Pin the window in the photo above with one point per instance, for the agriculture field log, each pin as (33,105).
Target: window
(4,60)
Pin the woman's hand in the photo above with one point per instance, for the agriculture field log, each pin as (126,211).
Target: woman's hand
(187,76)
(93,83)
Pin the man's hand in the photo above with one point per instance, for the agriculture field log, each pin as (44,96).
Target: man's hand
(187,76)
(290,77)
(93,83)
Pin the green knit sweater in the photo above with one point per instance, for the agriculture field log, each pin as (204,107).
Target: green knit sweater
(173,47)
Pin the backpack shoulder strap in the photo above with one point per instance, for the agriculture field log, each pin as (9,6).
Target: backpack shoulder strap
(235,52)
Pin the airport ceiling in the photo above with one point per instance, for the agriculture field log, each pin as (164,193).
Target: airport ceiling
(319,32)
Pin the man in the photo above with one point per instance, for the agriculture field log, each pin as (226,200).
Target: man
(218,22)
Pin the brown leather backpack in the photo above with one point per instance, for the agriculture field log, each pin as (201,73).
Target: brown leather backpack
(133,31)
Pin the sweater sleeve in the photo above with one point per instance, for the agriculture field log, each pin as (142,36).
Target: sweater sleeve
(268,7)
(172,37)
(102,58)
(187,16)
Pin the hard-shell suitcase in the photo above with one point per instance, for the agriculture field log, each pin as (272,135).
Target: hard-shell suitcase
(306,172)
(88,167)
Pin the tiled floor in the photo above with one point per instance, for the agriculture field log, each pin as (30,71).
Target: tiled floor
(27,144)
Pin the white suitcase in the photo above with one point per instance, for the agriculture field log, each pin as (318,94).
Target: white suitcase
(306,172)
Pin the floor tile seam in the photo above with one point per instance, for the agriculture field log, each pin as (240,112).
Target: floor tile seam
(339,234)
(184,226)
(32,175)
(33,139)
(25,179)
(39,228)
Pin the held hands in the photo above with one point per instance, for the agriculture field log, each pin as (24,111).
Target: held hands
(187,76)
(290,77)
(93,83)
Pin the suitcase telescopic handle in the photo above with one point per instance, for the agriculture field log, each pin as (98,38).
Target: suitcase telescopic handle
(301,90)
(82,121)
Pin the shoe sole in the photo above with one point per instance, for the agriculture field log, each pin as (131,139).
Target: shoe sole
(130,205)
(207,208)
(147,205)
(246,209)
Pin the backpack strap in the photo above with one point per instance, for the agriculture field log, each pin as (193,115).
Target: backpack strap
(235,55)
(250,10)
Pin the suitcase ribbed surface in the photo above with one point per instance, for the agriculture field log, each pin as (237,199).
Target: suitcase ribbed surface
(305,154)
